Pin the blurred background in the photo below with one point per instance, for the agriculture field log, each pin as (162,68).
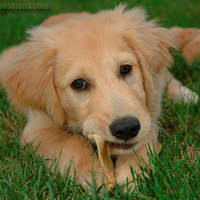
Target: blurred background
(14,22)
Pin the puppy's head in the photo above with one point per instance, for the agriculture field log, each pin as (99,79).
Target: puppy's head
(95,74)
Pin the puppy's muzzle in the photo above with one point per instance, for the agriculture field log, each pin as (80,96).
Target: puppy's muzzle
(125,128)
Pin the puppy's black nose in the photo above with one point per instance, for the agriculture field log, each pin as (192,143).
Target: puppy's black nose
(125,128)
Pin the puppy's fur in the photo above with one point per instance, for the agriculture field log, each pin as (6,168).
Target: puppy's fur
(38,77)
(189,41)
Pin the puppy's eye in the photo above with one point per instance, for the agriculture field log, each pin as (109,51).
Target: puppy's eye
(125,69)
(79,84)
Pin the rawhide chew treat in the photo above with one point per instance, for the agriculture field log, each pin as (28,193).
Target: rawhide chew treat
(159,147)
(105,159)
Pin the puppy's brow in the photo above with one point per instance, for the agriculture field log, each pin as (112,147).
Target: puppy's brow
(90,81)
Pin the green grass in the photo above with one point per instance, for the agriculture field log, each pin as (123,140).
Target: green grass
(176,176)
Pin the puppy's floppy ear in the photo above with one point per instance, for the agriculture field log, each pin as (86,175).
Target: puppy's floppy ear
(153,47)
(150,43)
(30,79)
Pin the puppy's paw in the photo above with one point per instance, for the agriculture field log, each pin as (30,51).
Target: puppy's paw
(91,174)
(183,93)
(126,174)
(126,179)
(187,95)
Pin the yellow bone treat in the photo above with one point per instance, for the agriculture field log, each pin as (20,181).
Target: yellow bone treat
(105,159)
(159,147)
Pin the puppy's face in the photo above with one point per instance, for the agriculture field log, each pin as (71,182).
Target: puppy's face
(100,87)
(95,75)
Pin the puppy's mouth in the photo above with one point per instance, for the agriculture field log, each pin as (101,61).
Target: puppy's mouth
(124,146)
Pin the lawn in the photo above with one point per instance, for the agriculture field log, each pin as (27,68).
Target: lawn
(177,168)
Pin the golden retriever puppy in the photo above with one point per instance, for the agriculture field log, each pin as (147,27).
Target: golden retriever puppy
(101,73)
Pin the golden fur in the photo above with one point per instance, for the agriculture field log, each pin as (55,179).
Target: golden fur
(189,41)
(38,76)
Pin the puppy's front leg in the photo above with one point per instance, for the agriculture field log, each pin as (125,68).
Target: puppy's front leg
(135,160)
(176,91)
(53,143)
